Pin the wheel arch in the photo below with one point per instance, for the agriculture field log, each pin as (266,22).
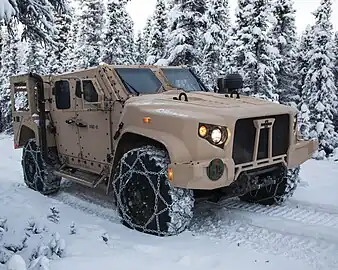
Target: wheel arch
(26,133)
(130,140)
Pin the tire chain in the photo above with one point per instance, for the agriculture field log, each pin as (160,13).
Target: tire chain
(292,176)
(180,210)
(43,173)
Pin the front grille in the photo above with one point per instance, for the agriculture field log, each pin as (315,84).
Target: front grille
(244,139)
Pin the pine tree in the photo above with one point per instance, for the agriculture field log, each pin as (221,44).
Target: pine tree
(157,34)
(184,40)
(336,57)
(58,54)
(36,17)
(36,58)
(335,72)
(284,35)
(319,91)
(89,43)
(118,39)
(145,44)
(254,55)
(73,41)
(9,67)
(302,63)
(215,40)
(138,52)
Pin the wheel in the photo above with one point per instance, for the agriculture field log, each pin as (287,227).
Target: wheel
(37,174)
(145,199)
(276,193)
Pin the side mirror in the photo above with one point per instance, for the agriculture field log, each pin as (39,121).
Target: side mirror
(230,83)
(233,81)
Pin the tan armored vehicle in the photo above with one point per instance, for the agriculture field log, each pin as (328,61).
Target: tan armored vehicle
(155,139)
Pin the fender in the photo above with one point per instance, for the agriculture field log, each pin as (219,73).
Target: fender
(178,152)
(25,133)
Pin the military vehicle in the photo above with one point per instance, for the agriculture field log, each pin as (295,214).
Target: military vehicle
(156,139)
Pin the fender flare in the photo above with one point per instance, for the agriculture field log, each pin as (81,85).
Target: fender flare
(177,150)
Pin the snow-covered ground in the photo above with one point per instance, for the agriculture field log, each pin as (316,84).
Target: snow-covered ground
(86,234)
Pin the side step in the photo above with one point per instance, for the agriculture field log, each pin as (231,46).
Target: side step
(87,179)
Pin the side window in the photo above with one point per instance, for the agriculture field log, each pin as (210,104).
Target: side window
(62,95)
(89,92)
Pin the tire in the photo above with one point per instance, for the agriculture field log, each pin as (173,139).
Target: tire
(37,174)
(145,199)
(275,194)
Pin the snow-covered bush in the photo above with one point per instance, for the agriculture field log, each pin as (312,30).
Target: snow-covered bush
(16,262)
(31,244)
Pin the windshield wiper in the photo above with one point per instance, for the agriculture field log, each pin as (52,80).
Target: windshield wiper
(128,84)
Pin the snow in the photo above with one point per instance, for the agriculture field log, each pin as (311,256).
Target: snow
(83,230)
(6,10)
(16,262)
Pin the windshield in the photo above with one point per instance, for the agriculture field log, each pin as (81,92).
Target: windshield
(183,78)
(139,80)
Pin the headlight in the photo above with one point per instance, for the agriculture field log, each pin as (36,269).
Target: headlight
(216,135)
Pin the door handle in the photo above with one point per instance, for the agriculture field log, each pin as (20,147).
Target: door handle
(70,121)
(80,124)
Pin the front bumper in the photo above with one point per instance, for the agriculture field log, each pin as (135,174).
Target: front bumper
(193,175)
(300,152)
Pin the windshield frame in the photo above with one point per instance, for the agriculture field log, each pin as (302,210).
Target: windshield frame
(202,86)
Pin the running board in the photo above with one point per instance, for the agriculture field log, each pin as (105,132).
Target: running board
(83,178)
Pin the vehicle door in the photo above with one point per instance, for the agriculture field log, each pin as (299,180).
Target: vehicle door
(63,115)
(94,123)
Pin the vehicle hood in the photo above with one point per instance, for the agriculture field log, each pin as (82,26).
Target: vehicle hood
(207,105)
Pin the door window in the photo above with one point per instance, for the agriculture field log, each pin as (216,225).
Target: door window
(62,95)
(89,92)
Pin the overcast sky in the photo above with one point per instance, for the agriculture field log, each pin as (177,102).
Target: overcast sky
(141,9)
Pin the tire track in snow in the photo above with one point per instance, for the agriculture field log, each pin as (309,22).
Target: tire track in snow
(299,213)
(88,200)
(270,230)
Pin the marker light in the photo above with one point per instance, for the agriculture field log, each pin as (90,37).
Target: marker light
(203,131)
(146,120)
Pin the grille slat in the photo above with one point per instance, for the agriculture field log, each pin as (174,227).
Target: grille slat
(244,139)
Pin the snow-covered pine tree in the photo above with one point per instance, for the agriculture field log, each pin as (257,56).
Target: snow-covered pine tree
(215,40)
(146,37)
(9,67)
(302,63)
(36,17)
(118,36)
(284,34)
(138,52)
(336,57)
(254,55)
(89,43)
(36,58)
(73,38)
(335,72)
(157,34)
(184,39)
(58,53)
(319,91)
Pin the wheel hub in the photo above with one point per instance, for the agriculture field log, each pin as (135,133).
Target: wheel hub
(139,198)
